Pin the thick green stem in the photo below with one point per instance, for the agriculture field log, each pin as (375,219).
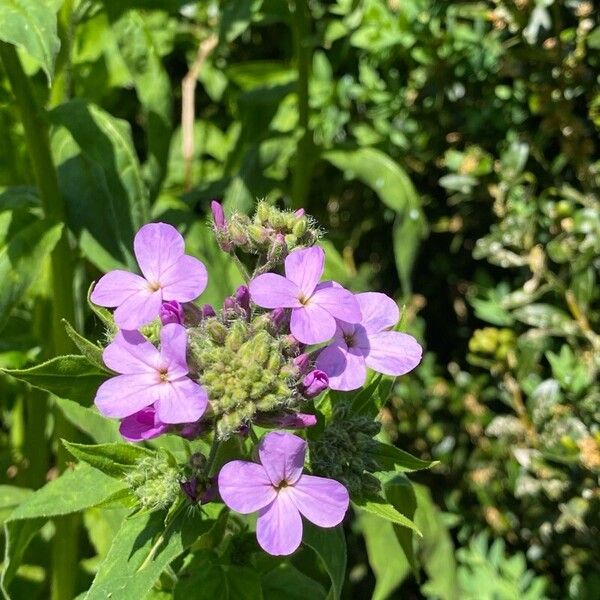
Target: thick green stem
(65,543)
(304,164)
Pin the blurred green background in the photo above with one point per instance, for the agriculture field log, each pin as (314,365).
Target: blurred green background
(449,149)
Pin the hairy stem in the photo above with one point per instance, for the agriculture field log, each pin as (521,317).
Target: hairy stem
(305,150)
(65,542)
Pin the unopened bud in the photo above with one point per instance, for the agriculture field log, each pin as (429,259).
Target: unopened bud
(218,215)
(302,363)
(242,296)
(171,312)
(238,234)
(314,383)
(216,330)
(208,311)
(287,420)
(277,318)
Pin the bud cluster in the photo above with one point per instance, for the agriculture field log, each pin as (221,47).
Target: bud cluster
(246,369)
(270,232)
(344,451)
(154,481)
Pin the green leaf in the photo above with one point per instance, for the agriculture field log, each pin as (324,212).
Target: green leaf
(10,497)
(31,25)
(206,579)
(116,203)
(547,317)
(236,16)
(370,400)
(112,459)
(378,506)
(141,54)
(69,376)
(330,545)
(398,491)
(385,555)
(395,189)
(21,260)
(90,421)
(390,458)
(90,350)
(71,492)
(130,570)
(285,581)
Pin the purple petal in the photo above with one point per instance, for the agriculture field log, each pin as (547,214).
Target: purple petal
(184,280)
(322,501)
(282,456)
(139,309)
(115,287)
(181,401)
(304,268)
(314,383)
(125,395)
(312,324)
(218,214)
(274,291)
(393,353)
(171,312)
(157,247)
(173,348)
(338,302)
(130,352)
(279,526)
(344,366)
(286,420)
(245,487)
(142,426)
(378,311)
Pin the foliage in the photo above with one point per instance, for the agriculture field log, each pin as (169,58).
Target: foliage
(451,151)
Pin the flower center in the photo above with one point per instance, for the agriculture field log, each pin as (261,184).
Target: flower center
(303,299)
(349,339)
(164,375)
(154,286)
(282,484)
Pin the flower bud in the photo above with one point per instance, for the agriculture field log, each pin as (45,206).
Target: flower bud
(258,234)
(314,383)
(216,330)
(238,234)
(171,312)
(190,489)
(287,420)
(277,318)
(242,296)
(299,213)
(218,215)
(302,363)
(208,311)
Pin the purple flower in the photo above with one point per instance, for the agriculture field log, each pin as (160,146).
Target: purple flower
(368,344)
(149,377)
(314,307)
(280,492)
(168,274)
(314,383)
(171,312)
(142,425)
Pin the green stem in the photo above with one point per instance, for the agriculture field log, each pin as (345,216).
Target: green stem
(212,455)
(65,542)
(305,151)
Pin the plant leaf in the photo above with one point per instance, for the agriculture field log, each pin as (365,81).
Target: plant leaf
(378,506)
(390,458)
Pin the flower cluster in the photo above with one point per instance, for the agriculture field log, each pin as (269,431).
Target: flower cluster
(259,360)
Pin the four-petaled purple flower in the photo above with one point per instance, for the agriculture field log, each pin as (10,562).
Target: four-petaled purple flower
(168,274)
(149,377)
(369,344)
(280,492)
(314,306)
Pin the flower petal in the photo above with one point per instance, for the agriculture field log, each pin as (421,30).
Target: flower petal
(173,348)
(142,426)
(279,526)
(274,291)
(304,268)
(322,501)
(312,324)
(125,395)
(378,311)
(138,310)
(184,280)
(245,487)
(344,366)
(181,401)
(115,287)
(338,302)
(130,352)
(157,247)
(393,353)
(282,455)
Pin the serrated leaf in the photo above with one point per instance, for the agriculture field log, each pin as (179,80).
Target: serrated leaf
(90,350)
(21,260)
(112,459)
(330,545)
(390,458)
(70,376)
(378,506)
(31,25)
(90,421)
